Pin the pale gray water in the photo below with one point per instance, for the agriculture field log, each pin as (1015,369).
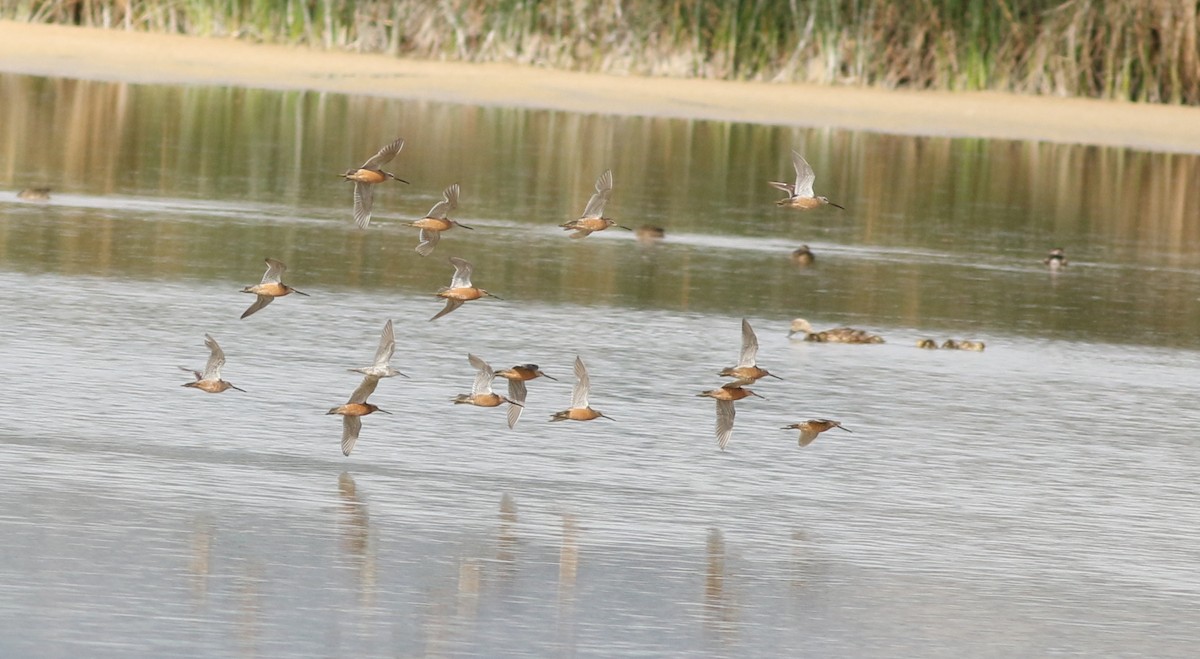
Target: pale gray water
(1037,498)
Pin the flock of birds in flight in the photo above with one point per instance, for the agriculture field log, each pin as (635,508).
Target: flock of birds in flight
(800,196)
(461,291)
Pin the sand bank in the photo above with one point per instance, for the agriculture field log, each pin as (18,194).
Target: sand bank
(111,55)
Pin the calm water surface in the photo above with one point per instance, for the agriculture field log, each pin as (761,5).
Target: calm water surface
(1037,498)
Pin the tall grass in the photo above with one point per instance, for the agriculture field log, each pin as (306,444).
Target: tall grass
(1142,50)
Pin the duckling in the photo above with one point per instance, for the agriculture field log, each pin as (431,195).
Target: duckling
(975,346)
(927,344)
(951,344)
(836,335)
(34,194)
(649,234)
(1056,259)
(803,256)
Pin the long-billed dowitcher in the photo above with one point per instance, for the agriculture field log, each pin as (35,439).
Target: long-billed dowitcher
(353,411)
(460,289)
(835,335)
(517,376)
(800,193)
(593,218)
(481,391)
(34,194)
(369,174)
(747,371)
(382,368)
(1056,259)
(210,380)
(803,256)
(435,221)
(272,286)
(580,410)
(725,396)
(813,427)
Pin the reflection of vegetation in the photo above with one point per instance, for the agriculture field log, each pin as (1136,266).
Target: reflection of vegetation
(1128,49)
(936,230)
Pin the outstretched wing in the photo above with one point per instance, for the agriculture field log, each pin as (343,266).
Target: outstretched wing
(384,156)
(429,240)
(725,414)
(216,359)
(259,302)
(583,385)
(451,305)
(483,376)
(804,176)
(517,391)
(274,273)
(448,203)
(514,414)
(807,434)
(595,205)
(351,425)
(786,187)
(387,345)
(749,345)
(516,394)
(364,199)
(365,389)
(462,273)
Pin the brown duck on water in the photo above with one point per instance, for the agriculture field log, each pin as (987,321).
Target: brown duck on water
(802,329)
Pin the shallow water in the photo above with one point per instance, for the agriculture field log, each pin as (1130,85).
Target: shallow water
(1035,498)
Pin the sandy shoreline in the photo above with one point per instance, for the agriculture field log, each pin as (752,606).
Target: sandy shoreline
(95,54)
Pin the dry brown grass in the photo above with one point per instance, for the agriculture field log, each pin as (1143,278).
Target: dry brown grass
(1144,50)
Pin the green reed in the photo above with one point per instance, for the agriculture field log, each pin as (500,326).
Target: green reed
(1143,50)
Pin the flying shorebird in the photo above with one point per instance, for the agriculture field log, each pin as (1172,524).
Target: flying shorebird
(517,376)
(460,289)
(747,371)
(593,218)
(481,390)
(800,193)
(725,412)
(580,410)
(272,286)
(353,411)
(813,427)
(382,367)
(210,380)
(435,221)
(367,175)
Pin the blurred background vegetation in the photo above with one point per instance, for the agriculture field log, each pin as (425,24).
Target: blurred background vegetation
(1140,50)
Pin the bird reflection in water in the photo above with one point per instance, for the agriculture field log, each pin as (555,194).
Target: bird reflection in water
(798,570)
(249,615)
(356,538)
(200,566)
(453,610)
(568,560)
(469,577)
(506,540)
(720,608)
(568,570)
